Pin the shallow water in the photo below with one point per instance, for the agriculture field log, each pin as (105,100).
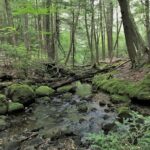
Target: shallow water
(55,119)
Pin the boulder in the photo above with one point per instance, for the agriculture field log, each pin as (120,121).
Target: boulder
(67,88)
(84,90)
(3,105)
(3,85)
(67,96)
(44,91)
(43,100)
(82,107)
(21,93)
(123,112)
(15,106)
(3,108)
(2,97)
(3,123)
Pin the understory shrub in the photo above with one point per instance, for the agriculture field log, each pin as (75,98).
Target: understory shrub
(132,134)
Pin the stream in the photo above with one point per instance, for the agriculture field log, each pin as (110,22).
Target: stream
(55,123)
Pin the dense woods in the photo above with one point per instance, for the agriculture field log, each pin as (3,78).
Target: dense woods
(75,32)
(74,74)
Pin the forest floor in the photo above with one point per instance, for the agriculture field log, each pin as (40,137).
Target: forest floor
(125,72)
(60,123)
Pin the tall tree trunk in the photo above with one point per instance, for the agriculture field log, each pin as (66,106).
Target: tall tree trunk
(147,4)
(10,20)
(73,28)
(26,34)
(102,28)
(50,34)
(134,41)
(109,27)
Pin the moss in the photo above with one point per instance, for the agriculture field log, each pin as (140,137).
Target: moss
(12,107)
(20,93)
(120,99)
(84,90)
(3,109)
(2,97)
(82,108)
(138,90)
(67,96)
(64,89)
(3,123)
(44,91)
(123,112)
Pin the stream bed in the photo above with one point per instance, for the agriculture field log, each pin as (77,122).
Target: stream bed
(55,123)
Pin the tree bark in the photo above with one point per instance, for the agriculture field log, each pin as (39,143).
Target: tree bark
(135,44)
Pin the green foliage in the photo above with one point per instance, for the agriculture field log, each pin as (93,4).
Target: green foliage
(119,99)
(132,134)
(84,90)
(140,90)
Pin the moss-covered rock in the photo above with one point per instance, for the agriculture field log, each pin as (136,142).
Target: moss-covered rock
(3,105)
(67,96)
(66,88)
(82,108)
(3,123)
(15,106)
(43,100)
(116,99)
(84,90)
(4,85)
(21,93)
(3,108)
(44,91)
(124,112)
(2,97)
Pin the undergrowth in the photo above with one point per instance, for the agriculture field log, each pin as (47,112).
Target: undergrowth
(132,134)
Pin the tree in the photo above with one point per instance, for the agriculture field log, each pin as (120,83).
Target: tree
(135,44)
(147,5)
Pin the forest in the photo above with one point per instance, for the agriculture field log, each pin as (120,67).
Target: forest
(74,74)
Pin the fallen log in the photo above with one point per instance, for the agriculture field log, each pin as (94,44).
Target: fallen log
(76,77)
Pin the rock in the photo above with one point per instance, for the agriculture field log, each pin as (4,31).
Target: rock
(67,88)
(21,93)
(44,99)
(116,99)
(44,91)
(84,90)
(67,96)
(3,105)
(107,110)
(3,85)
(5,77)
(15,106)
(2,97)
(106,116)
(3,123)
(14,145)
(123,112)
(102,99)
(102,103)
(3,108)
(108,127)
(82,108)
